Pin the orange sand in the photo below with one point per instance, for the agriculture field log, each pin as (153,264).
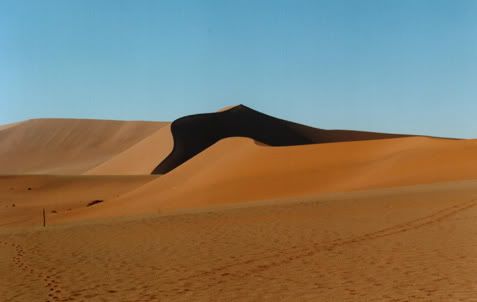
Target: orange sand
(219,175)
(140,158)
(66,146)
(406,244)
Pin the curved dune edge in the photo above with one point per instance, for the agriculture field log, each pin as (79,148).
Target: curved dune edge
(67,146)
(236,170)
(195,133)
(227,108)
(140,158)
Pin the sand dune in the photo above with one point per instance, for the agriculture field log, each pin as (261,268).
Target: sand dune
(219,176)
(140,158)
(195,133)
(247,207)
(6,126)
(233,169)
(240,170)
(66,146)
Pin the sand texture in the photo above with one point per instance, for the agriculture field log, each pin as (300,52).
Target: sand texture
(410,244)
(66,146)
(260,209)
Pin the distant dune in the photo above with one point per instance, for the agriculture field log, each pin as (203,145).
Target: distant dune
(140,158)
(67,146)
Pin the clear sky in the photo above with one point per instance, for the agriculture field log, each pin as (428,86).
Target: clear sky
(384,65)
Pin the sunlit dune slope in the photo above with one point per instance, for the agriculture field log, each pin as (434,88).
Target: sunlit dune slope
(237,170)
(140,158)
(194,133)
(67,146)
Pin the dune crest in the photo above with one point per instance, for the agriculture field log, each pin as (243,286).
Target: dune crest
(6,126)
(194,133)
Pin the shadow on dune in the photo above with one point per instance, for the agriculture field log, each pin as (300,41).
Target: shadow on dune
(194,133)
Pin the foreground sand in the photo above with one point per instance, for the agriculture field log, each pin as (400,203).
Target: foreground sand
(415,243)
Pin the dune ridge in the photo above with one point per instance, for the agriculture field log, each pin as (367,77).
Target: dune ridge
(194,133)
(6,126)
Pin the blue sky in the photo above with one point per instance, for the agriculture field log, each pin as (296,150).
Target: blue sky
(384,65)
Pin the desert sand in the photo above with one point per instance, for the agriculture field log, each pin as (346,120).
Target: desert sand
(66,146)
(269,210)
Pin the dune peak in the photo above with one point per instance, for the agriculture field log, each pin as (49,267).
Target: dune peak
(193,134)
(226,108)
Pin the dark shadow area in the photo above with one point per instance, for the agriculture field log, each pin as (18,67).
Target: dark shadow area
(94,202)
(194,133)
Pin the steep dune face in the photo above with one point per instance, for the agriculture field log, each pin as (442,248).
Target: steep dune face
(195,133)
(67,146)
